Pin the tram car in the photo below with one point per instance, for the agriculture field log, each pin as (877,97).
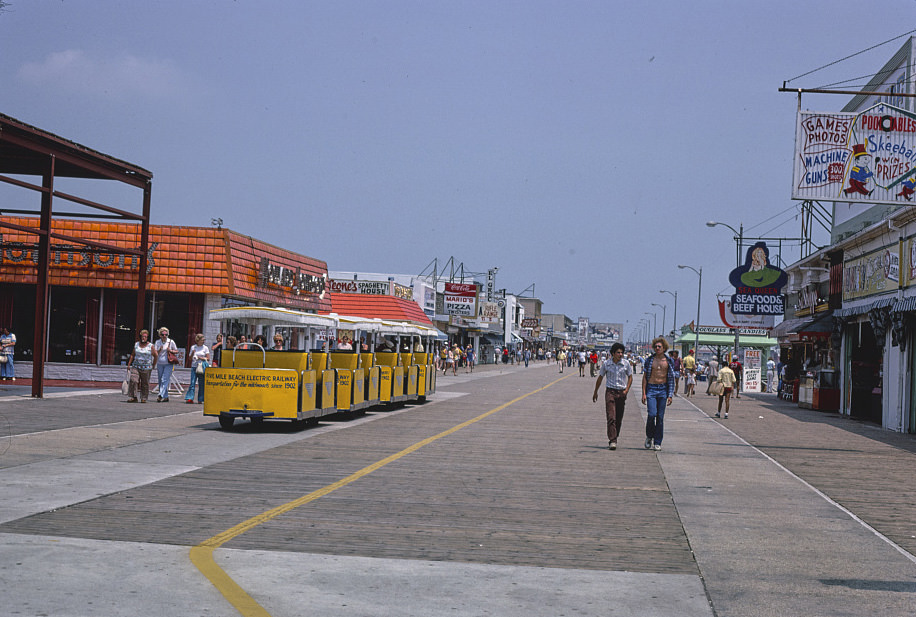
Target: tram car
(391,363)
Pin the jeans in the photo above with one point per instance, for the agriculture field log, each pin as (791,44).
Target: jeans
(195,378)
(6,369)
(164,370)
(656,399)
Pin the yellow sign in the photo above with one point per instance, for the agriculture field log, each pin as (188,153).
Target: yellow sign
(273,391)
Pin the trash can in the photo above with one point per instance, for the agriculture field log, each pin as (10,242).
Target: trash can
(826,391)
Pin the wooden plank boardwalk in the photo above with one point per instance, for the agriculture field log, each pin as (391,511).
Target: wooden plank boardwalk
(532,484)
(863,467)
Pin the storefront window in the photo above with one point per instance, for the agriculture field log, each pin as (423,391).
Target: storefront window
(172,312)
(68,340)
(17,312)
(124,314)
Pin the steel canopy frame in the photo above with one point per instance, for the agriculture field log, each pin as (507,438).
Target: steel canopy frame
(29,151)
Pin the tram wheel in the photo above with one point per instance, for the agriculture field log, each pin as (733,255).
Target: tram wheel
(226,422)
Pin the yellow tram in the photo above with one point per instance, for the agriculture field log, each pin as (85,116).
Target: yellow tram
(392,364)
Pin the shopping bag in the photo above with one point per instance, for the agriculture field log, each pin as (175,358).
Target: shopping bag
(125,385)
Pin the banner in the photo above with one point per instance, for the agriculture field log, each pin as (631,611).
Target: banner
(866,157)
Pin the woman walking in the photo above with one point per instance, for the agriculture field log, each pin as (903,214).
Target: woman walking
(141,363)
(658,388)
(200,360)
(163,367)
(7,349)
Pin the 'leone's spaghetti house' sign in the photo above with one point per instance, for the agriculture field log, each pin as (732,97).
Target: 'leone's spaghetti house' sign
(370,288)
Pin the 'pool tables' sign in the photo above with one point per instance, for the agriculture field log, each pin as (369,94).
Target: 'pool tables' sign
(758,285)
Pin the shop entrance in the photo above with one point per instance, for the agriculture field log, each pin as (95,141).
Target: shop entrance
(865,370)
(911,425)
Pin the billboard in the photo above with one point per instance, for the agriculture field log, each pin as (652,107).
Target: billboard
(868,156)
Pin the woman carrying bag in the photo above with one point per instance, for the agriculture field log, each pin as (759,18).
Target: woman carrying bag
(166,358)
(141,363)
(200,360)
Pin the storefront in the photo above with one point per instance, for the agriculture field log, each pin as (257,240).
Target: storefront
(190,271)
(807,358)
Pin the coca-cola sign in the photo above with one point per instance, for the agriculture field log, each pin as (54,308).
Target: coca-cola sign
(461,299)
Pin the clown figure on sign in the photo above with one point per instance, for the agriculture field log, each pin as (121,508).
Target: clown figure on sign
(861,175)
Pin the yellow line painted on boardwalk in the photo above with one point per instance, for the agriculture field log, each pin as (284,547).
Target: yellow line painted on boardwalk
(202,554)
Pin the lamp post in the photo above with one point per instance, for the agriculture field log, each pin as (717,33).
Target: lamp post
(655,323)
(674,319)
(699,273)
(739,238)
(664,311)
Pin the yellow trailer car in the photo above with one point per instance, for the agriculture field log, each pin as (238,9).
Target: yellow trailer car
(303,386)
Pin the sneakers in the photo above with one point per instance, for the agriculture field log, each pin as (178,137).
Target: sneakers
(718,415)
(657,446)
(132,400)
(649,442)
(612,445)
(159,399)
(726,416)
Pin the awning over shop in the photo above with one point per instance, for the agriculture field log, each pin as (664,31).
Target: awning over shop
(906,305)
(862,309)
(381,307)
(726,340)
(820,326)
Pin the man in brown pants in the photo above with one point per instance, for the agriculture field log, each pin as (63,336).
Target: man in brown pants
(619,374)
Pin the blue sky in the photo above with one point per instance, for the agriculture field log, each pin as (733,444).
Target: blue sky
(579,146)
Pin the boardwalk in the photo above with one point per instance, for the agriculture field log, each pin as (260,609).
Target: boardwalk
(524,511)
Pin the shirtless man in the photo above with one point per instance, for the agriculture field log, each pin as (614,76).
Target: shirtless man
(657,391)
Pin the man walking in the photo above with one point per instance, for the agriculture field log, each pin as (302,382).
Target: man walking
(689,365)
(619,373)
(658,388)
(771,375)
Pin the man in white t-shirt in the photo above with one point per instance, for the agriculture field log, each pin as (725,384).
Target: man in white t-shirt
(619,374)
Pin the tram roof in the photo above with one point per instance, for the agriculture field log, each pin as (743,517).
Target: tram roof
(266,315)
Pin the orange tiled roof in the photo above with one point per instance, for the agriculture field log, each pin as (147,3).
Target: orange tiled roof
(182,259)
(381,307)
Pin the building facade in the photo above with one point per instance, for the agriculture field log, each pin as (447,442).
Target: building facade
(190,271)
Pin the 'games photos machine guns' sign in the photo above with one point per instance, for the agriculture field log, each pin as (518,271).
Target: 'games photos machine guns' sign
(868,156)
(758,285)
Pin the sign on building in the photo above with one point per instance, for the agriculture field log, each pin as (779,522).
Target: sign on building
(489,312)
(461,299)
(869,156)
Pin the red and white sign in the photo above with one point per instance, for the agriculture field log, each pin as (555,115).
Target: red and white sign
(461,299)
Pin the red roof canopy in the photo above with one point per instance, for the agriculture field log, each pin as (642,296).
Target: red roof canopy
(381,307)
